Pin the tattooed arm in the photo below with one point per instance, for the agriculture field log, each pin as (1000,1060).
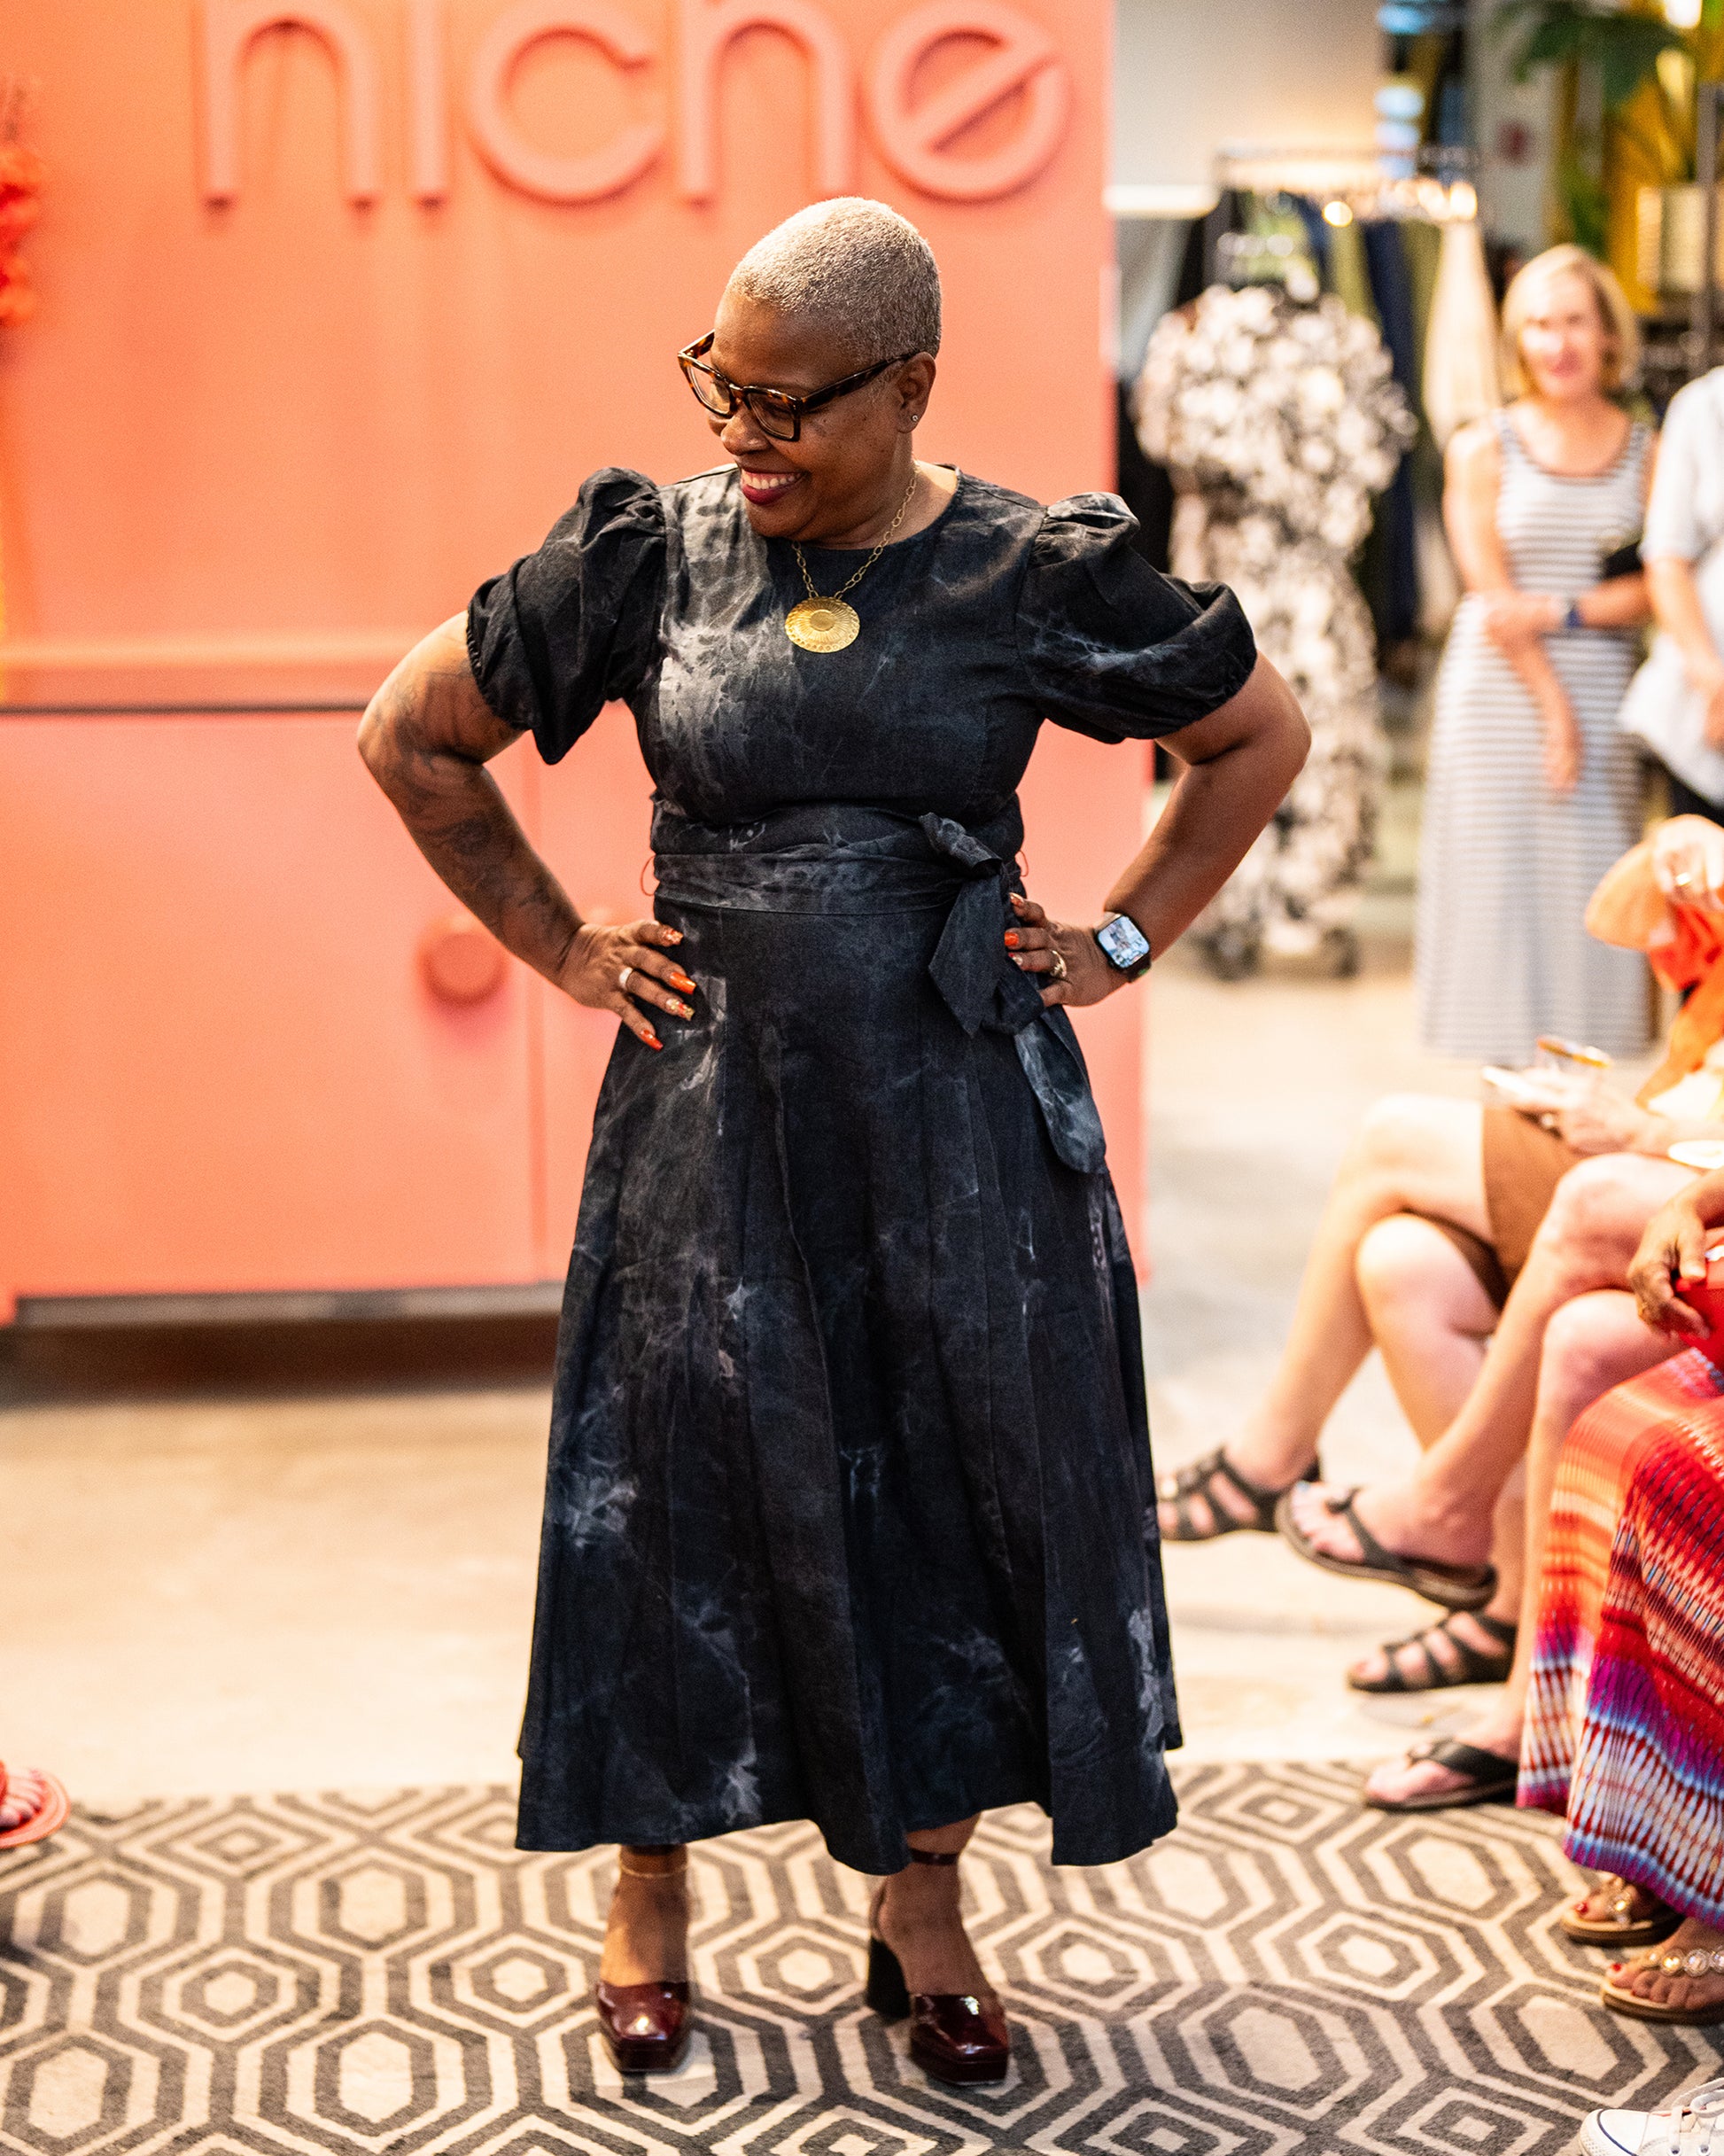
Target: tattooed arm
(426,737)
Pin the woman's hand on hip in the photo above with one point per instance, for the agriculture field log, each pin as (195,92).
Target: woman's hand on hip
(1071,956)
(627,969)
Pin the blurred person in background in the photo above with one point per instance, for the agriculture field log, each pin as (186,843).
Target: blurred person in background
(1454,1237)
(1676,703)
(845,1517)
(1533,791)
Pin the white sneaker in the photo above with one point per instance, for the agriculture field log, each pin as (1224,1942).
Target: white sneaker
(1691,2127)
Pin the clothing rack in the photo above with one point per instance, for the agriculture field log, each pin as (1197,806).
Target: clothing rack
(1349,181)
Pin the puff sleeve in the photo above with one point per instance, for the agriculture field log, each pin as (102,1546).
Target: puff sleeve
(1114,649)
(553,639)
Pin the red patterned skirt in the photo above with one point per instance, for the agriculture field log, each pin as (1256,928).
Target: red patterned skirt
(1625,1727)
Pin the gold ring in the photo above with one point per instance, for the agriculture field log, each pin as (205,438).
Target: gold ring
(1057,965)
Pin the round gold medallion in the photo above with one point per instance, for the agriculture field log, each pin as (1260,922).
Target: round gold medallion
(822,625)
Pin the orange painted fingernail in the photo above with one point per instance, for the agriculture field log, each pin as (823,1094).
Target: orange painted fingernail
(673,935)
(652,1040)
(679,979)
(682,1011)
(1012,939)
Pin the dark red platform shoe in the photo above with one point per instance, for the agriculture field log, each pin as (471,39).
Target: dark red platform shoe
(955,2035)
(645,2027)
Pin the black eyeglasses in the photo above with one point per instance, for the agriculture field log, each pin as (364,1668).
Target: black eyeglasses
(775,411)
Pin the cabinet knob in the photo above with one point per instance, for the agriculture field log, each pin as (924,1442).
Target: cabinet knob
(462,962)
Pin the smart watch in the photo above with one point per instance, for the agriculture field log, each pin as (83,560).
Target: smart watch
(1124,944)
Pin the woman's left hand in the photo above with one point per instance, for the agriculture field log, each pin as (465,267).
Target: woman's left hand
(1038,945)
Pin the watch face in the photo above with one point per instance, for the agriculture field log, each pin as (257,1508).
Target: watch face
(1124,941)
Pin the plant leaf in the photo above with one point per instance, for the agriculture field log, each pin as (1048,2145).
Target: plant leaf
(1627,53)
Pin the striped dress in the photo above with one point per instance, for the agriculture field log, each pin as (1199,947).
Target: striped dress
(1625,1730)
(1506,867)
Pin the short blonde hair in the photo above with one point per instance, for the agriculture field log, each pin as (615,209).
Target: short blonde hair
(1621,330)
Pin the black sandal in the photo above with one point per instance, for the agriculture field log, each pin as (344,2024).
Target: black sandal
(1452,1586)
(1489,1777)
(1475,1665)
(1178,1489)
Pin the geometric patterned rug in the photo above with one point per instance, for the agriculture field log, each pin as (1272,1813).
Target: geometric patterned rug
(382,1974)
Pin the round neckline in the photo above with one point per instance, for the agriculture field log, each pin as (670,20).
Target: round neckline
(813,547)
(1602,471)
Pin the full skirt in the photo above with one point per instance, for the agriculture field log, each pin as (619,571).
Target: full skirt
(850,1511)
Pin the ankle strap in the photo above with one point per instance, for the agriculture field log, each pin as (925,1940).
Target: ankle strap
(934,1856)
(675,1859)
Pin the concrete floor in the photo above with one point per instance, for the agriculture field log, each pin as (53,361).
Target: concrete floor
(333,1587)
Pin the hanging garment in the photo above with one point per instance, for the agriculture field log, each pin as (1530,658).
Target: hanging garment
(1392,287)
(1278,423)
(1461,381)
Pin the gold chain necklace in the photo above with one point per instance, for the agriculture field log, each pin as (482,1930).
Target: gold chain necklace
(828,624)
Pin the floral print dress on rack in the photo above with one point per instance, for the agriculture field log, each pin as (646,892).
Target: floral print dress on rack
(1279,421)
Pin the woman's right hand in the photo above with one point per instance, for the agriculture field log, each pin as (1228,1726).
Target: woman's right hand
(624,967)
(1562,746)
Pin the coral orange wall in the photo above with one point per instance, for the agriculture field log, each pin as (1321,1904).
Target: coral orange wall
(288,425)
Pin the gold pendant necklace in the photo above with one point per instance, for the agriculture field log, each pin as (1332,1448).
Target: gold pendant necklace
(829,624)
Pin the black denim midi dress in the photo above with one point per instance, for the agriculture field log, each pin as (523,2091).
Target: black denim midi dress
(850,1512)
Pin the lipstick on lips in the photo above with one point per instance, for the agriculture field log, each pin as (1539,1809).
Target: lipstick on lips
(761,487)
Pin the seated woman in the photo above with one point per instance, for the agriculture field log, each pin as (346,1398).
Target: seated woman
(1439,1211)
(1631,1617)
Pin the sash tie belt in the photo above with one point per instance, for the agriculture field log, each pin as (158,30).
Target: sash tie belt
(854,858)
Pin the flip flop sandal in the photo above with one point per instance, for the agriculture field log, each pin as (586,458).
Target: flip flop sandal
(48,1819)
(1699,1963)
(1179,1488)
(1453,1586)
(1473,1666)
(1621,1927)
(1489,1777)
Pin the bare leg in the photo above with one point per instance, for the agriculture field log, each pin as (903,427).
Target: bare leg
(1443,1510)
(646,1937)
(1431,1319)
(1429,1316)
(1594,1343)
(1412,1154)
(916,1912)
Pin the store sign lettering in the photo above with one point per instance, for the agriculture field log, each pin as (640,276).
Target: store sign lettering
(916,134)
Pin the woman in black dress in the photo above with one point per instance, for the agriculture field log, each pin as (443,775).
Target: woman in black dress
(850,1512)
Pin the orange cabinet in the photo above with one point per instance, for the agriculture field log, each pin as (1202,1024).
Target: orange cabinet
(223,1065)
